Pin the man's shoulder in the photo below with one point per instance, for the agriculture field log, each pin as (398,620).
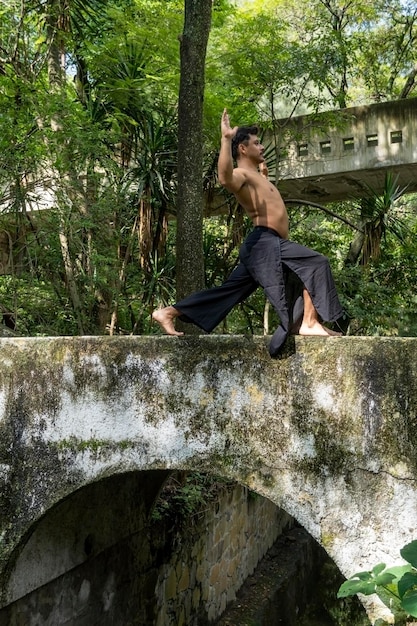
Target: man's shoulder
(246,173)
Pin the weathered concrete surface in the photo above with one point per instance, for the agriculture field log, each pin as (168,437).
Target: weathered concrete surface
(328,432)
(342,158)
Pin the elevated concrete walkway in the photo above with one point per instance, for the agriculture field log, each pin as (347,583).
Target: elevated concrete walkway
(327,432)
(337,155)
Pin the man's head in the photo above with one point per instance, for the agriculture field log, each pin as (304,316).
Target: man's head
(244,135)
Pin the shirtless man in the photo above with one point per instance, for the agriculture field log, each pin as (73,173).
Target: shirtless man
(266,256)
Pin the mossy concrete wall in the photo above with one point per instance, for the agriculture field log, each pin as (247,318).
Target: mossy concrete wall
(328,432)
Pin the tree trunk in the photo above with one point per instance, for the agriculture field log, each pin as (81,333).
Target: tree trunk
(409,83)
(193,45)
(71,281)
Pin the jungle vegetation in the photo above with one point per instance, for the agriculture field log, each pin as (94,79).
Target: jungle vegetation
(108,154)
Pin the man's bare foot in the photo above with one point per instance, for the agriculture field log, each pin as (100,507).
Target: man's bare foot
(165,318)
(317,330)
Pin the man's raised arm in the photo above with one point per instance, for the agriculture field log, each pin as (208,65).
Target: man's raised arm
(227,176)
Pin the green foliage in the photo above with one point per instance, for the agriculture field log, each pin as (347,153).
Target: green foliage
(397,583)
(185,495)
(105,140)
(253,74)
(37,308)
(378,295)
(281,57)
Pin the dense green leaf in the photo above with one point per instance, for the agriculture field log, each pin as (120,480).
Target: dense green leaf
(409,602)
(409,553)
(407,582)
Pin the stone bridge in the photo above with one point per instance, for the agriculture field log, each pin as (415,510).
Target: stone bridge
(328,432)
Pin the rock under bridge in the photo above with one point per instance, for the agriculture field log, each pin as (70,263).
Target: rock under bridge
(328,431)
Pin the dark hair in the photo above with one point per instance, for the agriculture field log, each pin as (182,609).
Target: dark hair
(242,136)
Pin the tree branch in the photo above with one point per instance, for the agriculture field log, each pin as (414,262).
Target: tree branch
(322,208)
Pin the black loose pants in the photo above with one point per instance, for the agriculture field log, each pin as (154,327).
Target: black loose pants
(267,260)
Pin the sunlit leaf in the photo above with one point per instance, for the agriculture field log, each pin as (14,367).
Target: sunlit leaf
(384,579)
(352,587)
(378,569)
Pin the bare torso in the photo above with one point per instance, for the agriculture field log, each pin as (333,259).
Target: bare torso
(262,202)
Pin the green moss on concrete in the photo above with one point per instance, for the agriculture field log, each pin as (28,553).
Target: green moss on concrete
(331,456)
(94,445)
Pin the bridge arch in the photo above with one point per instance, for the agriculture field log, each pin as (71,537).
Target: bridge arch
(97,553)
(326,432)
(77,530)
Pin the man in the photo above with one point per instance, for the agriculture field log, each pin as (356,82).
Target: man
(267,257)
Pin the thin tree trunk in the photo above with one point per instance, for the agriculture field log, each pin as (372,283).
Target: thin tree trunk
(409,83)
(71,282)
(122,276)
